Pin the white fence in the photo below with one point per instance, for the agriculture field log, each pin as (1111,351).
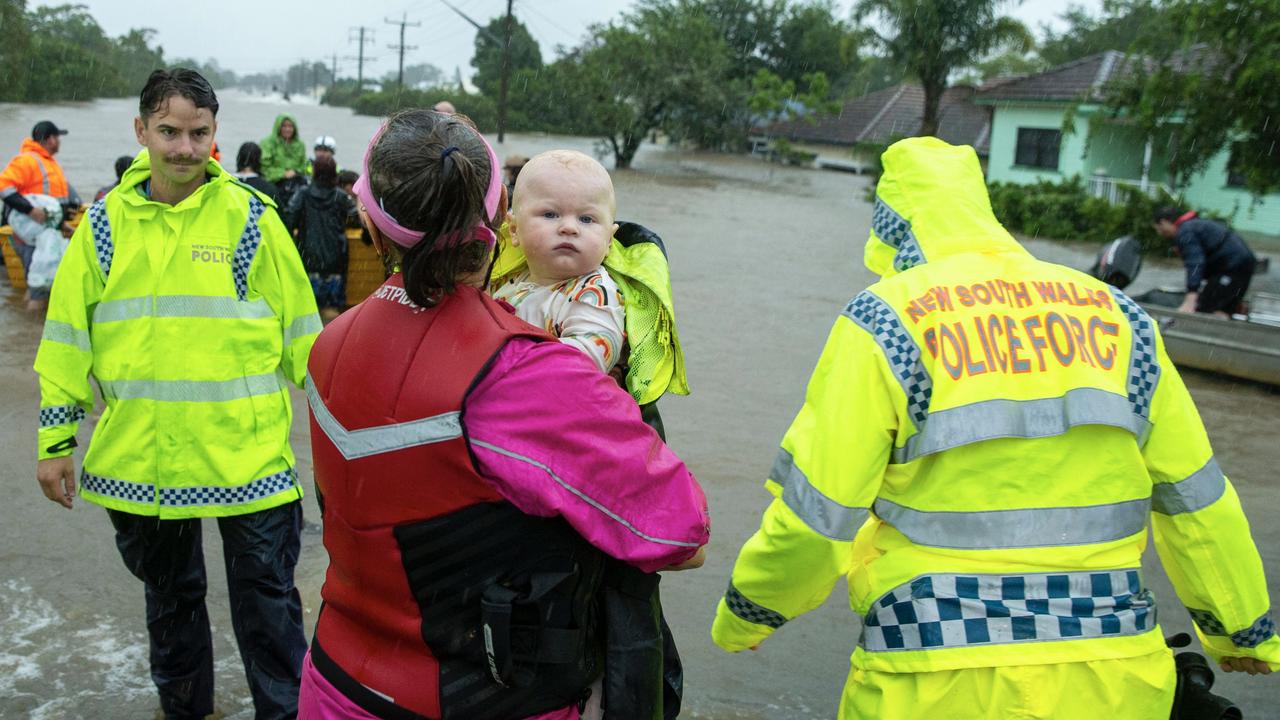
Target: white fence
(1111,189)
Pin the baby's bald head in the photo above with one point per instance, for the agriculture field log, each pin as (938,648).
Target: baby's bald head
(565,167)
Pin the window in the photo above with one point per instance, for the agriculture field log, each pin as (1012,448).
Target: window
(1038,147)
(1235,178)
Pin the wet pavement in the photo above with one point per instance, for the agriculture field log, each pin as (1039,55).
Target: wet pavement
(763,258)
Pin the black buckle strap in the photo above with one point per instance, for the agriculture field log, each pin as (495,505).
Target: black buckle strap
(495,621)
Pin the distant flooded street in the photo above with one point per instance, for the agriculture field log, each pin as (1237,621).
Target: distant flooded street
(763,258)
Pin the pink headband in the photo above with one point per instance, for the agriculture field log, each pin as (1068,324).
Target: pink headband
(403,236)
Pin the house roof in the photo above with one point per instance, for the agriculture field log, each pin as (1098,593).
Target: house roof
(892,113)
(1086,78)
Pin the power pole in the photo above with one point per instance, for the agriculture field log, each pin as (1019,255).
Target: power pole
(402,47)
(333,71)
(506,76)
(360,58)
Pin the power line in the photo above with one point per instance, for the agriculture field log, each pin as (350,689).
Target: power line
(532,7)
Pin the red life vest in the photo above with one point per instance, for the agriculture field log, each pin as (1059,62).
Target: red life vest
(386,384)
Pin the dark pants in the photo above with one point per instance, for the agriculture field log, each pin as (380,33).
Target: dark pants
(25,252)
(1224,291)
(260,551)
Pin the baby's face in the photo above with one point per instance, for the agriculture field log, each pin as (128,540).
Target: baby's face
(563,221)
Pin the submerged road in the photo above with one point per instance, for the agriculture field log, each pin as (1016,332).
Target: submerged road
(763,259)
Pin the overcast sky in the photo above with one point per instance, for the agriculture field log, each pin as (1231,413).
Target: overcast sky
(260,35)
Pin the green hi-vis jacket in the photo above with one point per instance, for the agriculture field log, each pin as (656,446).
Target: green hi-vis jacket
(191,318)
(982,446)
(655,360)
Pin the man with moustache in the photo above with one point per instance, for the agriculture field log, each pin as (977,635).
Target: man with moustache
(185,299)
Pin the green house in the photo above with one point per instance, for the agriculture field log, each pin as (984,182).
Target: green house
(1028,144)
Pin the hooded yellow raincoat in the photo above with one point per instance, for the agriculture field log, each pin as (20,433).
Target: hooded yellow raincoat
(982,446)
(191,318)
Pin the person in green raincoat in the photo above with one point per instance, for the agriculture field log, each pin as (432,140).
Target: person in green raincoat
(284,156)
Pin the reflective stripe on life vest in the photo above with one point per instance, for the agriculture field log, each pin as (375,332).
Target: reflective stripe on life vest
(382,438)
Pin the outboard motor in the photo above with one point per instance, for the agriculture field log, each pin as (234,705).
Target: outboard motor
(1192,700)
(1119,262)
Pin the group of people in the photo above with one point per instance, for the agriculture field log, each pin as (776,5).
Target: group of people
(496,510)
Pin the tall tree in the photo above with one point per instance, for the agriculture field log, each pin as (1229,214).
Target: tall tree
(13,51)
(811,38)
(525,53)
(75,57)
(1116,27)
(931,38)
(1214,85)
(135,58)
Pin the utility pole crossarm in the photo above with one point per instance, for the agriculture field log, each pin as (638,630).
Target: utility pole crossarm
(402,22)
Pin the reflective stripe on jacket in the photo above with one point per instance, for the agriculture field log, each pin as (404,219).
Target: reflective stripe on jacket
(33,171)
(982,445)
(191,318)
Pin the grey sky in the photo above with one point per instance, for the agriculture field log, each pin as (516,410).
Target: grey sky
(255,36)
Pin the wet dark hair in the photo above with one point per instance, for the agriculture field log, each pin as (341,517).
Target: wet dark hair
(249,156)
(164,84)
(324,172)
(348,177)
(426,189)
(1169,213)
(122,163)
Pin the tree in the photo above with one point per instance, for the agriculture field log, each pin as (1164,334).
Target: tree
(136,59)
(302,77)
(1214,84)
(74,57)
(1115,28)
(421,75)
(13,51)
(217,76)
(931,38)
(1006,64)
(525,53)
(809,39)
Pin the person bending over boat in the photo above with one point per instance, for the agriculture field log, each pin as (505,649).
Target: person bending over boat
(1219,264)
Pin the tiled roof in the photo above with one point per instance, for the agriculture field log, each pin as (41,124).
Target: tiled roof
(892,113)
(1085,79)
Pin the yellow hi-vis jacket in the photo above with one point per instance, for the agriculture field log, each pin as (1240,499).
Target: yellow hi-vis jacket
(190,318)
(981,447)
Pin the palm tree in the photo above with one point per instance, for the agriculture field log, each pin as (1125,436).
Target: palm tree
(931,38)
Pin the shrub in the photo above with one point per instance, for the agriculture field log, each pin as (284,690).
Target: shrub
(1066,211)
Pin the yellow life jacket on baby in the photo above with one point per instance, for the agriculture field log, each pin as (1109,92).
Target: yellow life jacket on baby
(638,264)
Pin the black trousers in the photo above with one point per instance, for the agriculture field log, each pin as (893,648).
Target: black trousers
(260,551)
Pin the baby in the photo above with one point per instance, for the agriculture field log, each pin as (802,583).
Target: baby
(562,218)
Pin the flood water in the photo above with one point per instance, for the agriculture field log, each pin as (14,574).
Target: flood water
(763,258)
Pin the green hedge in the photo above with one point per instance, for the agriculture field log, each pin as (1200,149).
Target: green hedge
(1065,211)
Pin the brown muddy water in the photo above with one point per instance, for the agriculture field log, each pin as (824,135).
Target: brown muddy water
(763,258)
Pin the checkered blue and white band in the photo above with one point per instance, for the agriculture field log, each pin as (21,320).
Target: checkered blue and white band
(1258,631)
(202,496)
(60,415)
(947,611)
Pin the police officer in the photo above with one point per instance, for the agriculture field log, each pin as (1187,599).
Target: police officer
(184,298)
(982,445)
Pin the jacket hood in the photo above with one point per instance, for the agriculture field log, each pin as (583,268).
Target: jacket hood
(31,146)
(275,129)
(931,203)
(140,171)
